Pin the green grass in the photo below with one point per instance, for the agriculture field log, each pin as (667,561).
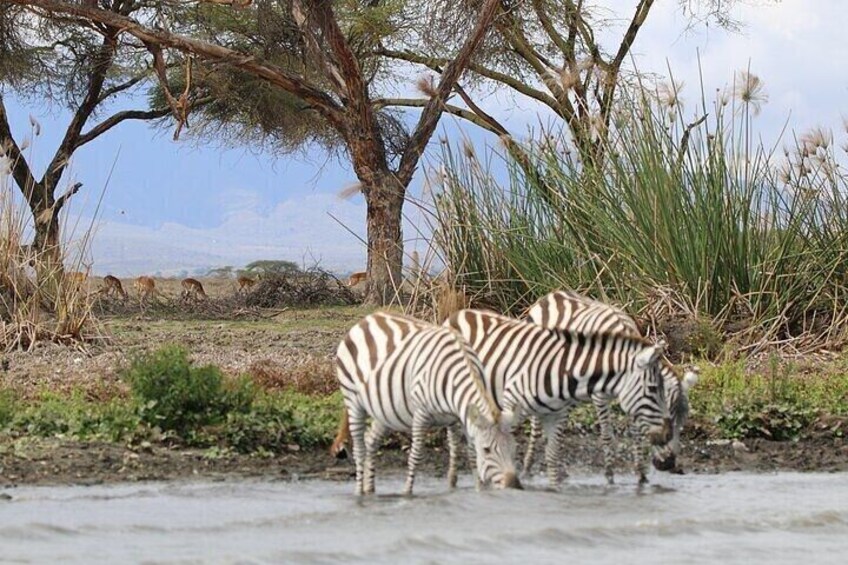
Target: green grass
(172,398)
(700,224)
(778,401)
(331,318)
(190,406)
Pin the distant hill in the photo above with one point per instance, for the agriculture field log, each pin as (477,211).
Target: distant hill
(299,231)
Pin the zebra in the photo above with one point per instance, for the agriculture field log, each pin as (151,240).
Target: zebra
(531,370)
(408,375)
(568,310)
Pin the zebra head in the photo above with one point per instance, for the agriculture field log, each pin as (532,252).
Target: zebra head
(643,398)
(495,448)
(677,391)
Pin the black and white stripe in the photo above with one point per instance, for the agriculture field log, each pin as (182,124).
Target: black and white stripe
(568,310)
(407,375)
(534,371)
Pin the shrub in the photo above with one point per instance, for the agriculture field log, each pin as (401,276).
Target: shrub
(175,395)
(8,407)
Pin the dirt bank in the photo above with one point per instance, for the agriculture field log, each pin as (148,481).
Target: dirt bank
(32,461)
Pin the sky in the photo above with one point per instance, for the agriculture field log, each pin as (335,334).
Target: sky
(173,207)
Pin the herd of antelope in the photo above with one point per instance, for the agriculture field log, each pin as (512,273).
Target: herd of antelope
(145,286)
(192,289)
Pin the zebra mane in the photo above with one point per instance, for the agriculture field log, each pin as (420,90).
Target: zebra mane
(475,375)
(598,335)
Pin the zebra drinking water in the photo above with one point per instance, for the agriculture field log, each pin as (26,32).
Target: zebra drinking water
(530,370)
(411,376)
(568,310)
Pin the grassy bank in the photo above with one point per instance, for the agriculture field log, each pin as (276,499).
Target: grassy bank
(174,402)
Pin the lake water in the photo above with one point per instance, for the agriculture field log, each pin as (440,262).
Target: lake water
(730,518)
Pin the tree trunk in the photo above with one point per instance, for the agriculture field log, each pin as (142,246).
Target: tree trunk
(46,243)
(384,200)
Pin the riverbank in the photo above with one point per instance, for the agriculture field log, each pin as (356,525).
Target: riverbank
(56,461)
(71,416)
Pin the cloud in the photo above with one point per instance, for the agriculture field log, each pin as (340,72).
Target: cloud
(299,229)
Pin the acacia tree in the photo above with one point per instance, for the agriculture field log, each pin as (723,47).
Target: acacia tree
(547,52)
(328,72)
(86,70)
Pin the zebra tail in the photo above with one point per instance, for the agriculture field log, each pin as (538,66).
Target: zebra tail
(339,448)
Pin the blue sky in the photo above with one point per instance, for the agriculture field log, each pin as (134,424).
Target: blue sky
(174,206)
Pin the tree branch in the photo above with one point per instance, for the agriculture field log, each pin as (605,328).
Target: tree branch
(463,113)
(118,88)
(430,115)
(437,64)
(290,82)
(66,196)
(101,65)
(561,43)
(20,168)
(116,119)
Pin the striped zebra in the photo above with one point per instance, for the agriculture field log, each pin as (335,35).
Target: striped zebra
(410,376)
(540,372)
(568,310)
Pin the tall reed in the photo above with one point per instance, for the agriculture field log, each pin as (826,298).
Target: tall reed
(690,215)
(41,299)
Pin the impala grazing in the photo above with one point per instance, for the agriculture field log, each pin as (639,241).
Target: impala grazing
(145,286)
(245,283)
(192,290)
(112,286)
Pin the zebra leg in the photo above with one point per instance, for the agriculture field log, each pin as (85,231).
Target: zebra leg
(603,408)
(356,419)
(535,436)
(561,432)
(454,437)
(641,454)
(372,443)
(472,462)
(420,424)
(552,451)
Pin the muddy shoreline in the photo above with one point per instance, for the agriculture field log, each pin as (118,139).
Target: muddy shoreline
(31,461)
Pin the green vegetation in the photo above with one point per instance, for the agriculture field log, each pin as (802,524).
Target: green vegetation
(175,400)
(777,402)
(685,218)
(172,400)
(179,397)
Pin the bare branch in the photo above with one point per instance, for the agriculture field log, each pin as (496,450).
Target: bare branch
(66,196)
(118,88)
(437,64)
(432,111)
(116,119)
(20,168)
(463,113)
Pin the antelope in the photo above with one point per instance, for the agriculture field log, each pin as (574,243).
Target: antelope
(112,286)
(357,278)
(145,286)
(192,289)
(245,283)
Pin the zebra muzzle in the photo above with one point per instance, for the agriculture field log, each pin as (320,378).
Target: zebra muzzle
(510,480)
(660,435)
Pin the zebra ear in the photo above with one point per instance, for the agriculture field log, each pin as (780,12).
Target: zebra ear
(690,379)
(650,355)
